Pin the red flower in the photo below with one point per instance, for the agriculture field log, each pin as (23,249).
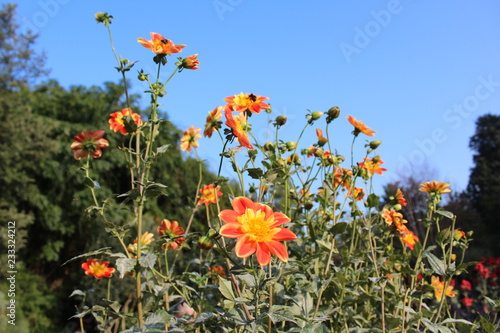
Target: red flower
(400,198)
(466,301)
(160,45)
(116,123)
(465,285)
(257,229)
(89,143)
(173,234)
(246,102)
(97,268)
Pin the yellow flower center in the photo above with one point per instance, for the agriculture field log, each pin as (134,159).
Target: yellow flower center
(244,100)
(255,225)
(97,269)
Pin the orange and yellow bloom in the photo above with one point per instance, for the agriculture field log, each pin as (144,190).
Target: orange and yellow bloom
(190,62)
(213,122)
(400,198)
(435,187)
(359,127)
(190,139)
(97,269)
(239,126)
(321,139)
(146,239)
(439,289)
(257,229)
(407,236)
(173,234)
(89,142)
(209,194)
(160,45)
(371,166)
(117,124)
(246,102)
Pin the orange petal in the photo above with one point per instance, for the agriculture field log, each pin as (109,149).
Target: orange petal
(263,254)
(229,216)
(279,250)
(240,204)
(280,219)
(284,235)
(231,230)
(245,247)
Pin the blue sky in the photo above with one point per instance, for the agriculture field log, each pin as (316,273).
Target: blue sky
(419,73)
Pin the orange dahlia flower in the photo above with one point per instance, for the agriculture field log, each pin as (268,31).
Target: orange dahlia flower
(435,187)
(97,268)
(321,139)
(359,127)
(173,234)
(439,289)
(209,194)
(89,142)
(160,45)
(407,236)
(190,139)
(213,122)
(190,62)
(400,198)
(371,166)
(116,122)
(239,126)
(246,102)
(257,229)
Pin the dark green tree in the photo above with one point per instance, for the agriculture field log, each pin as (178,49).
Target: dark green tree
(484,181)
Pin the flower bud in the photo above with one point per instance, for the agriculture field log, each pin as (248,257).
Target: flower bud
(142,76)
(268,146)
(334,112)
(291,145)
(280,120)
(205,243)
(316,115)
(397,207)
(376,159)
(375,144)
(101,17)
(318,152)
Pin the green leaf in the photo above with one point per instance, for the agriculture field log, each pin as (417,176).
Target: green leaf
(437,264)
(255,173)
(77,292)
(91,183)
(103,250)
(445,213)
(159,317)
(148,261)
(226,289)
(162,149)
(338,228)
(443,235)
(125,265)
(280,313)
(372,200)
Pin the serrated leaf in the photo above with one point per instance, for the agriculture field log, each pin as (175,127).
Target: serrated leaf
(125,265)
(255,173)
(226,289)
(338,228)
(437,265)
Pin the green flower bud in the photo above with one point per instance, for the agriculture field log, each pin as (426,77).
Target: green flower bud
(280,120)
(334,112)
(375,144)
(316,115)
(205,243)
(291,145)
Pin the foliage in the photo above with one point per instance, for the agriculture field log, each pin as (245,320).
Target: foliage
(350,264)
(484,181)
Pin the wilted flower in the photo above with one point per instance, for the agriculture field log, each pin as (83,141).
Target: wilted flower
(257,229)
(218,270)
(117,123)
(209,195)
(190,139)
(173,234)
(246,102)
(97,268)
(359,127)
(160,45)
